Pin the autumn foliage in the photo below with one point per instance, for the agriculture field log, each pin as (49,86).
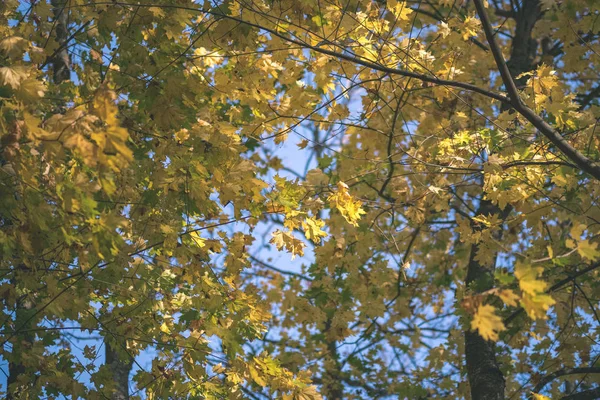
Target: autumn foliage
(340,199)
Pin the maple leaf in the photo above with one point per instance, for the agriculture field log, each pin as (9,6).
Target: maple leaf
(400,9)
(165,328)
(470,27)
(309,393)
(302,144)
(31,89)
(12,76)
(349,208)
(588,250)
(508,297)
(527,276)
(534,300)
(537,305)
(13,46)
(312,229)
(287,240)
(487,322)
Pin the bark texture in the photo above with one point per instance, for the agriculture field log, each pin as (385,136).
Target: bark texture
(20,345)
(61,63)
(485,376)
(333,388)
(484,373)
(120,366)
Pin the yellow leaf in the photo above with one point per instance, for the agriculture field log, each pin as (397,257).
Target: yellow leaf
(12,76)
(470,27)
(256,376)
(286,240)
(31,89)
(537,396)
(309,393)
(508,297)
(487,322)
(197,239)
(157,11)
(182,135)
(13,46)
(312,229)
(536,306)
(482,219)
(164,328)
(349,208)
(234,378)
(550,251)
(400,9)
(577,230)
(104,106)
(588,250)
(535,301)
(527,276)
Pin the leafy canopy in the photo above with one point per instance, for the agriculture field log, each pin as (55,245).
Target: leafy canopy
(449,197)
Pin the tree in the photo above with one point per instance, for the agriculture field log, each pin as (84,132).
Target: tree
(448,205)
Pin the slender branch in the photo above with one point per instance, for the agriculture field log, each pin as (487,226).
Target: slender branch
(585,100)
(537,163)
(65,44)
(279,270)
(592,394)
(563,372)
(555,287)
(587,165)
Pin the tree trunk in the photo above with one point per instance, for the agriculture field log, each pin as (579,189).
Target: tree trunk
(61,63)
(332,388)
(120,367)
(485,376)
(21,344)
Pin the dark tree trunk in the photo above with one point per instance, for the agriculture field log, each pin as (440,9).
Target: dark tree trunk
(332,389)
(485,376)
(120,366)
(21,344)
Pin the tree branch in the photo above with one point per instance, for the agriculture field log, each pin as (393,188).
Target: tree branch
(555,287)
(556,138)
(585,100)
(343,56)
(507,79)
(563,372)
(592,394)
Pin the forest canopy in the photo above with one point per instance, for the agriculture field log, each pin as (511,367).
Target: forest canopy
(283,199)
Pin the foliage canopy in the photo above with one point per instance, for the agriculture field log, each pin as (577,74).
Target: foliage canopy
(445,220)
